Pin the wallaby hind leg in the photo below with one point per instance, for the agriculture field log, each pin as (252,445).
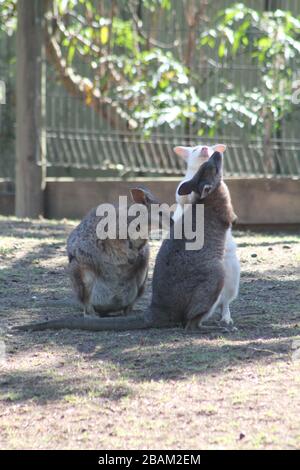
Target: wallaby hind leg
(141,289)
(192,324)
(225,314)
(76,280)
(80,286)
(127,309)
(206,298)
(211,311)
(197,320)
(231,285)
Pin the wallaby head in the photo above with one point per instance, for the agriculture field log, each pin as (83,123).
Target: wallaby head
(157,219)
(206,180)
(143,196)
(134,221)
(195,156)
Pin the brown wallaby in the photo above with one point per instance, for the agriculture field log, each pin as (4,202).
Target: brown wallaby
(186,284)
(108,275)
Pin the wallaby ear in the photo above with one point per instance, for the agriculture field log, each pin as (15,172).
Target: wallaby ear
(182,152)
(185,188)
(142,196)
(219,148)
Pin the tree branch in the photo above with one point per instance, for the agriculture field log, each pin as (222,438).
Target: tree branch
(138,24)
(84,89)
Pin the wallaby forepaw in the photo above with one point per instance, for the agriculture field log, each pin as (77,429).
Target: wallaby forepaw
(227,321)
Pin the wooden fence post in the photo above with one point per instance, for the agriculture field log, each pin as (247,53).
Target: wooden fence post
(30,130)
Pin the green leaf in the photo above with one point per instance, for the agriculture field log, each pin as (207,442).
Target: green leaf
(222,50)
(104,35)
(265,43)
(71,52)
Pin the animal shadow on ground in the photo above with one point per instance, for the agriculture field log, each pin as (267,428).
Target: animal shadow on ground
(34,286)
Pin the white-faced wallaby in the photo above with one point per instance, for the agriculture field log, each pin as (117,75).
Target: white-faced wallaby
(186,284)
(194,157)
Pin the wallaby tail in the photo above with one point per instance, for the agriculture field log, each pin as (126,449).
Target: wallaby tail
(88,323)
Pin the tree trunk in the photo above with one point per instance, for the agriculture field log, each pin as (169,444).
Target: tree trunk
(30,132)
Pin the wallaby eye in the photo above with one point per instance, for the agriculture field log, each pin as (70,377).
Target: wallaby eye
(210,173)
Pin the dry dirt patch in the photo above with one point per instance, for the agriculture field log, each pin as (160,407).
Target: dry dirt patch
(153,389)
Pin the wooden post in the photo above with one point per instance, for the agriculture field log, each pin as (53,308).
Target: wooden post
(30,134)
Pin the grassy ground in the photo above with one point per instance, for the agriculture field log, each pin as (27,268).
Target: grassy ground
(153,389)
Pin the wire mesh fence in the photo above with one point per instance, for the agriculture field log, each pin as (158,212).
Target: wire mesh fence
(79,138)
(7,106)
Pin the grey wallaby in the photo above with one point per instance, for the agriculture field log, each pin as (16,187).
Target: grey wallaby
(186,284)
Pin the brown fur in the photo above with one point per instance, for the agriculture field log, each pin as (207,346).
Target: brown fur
(106,275)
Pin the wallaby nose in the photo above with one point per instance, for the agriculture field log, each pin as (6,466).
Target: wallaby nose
(204,152)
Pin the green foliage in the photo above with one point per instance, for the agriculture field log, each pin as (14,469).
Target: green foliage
(8,17)
(269,40)
(151,81)
(152,5)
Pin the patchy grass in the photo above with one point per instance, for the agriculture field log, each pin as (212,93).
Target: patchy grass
(148,389)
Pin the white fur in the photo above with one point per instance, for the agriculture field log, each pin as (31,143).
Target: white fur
(194,157)
(211,311)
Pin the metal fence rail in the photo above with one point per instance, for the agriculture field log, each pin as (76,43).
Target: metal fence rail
(133,154)
(77,138)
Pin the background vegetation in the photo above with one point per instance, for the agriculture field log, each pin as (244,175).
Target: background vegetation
(198,68)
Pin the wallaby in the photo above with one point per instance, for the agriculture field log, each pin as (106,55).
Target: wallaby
(194,157)
(108,275)
(186,284)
